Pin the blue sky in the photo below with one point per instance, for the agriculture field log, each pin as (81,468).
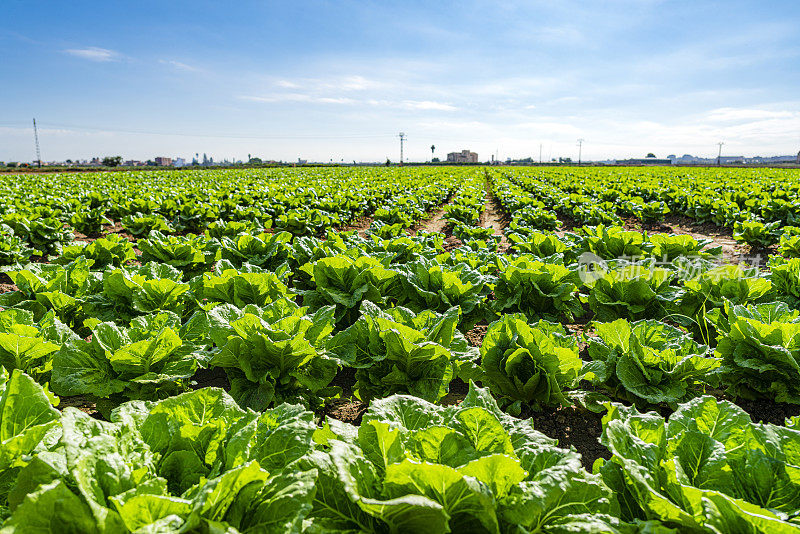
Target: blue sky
(338,80)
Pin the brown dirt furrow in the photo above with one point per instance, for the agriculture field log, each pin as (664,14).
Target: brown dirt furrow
(432,223)
(360,225)
(494,218)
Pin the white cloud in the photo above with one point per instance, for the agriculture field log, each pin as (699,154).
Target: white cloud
(297,97)
(179,65)
(745,114)
(93,53)
(428,105)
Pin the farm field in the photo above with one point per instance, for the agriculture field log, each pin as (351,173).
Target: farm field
(424,349)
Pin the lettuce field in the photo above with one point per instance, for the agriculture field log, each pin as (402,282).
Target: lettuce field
(390,350)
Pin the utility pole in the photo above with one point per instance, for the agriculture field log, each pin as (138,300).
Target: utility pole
(402,139)
(580,147)
(719,154)
(36,138)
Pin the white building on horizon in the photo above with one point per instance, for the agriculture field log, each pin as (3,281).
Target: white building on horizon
(465,156)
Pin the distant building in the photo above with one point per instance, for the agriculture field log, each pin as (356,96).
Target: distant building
(132,163)
(179,162)
(644,161)
(798,158)
(163,162)
(465,156)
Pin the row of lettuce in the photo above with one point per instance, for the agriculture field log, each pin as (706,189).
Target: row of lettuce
(760,205)
(395,311)
(200,463)
(41,212)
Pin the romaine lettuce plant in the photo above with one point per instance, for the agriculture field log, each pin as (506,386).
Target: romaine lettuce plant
(14,251)
(416,467)
(145,289)
(541,245)
(428,285)
(139,224)
(709,469)
(670,247)
(269,251)
(29,345)
(530,364)
(347,282)
(191,254)
(703,297)
(397,351)
(649,362)
(537,289)
(90,222)
(632,292)
(275,353)
(240,287)
(112,250)
(614,242)
(147,361)
(757,233)
(760,350)
(193,463)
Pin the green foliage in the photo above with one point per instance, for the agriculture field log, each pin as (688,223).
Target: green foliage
(760,350)
(541,245)
(535,218)
(112,250)
(757,233)
(633,292)
(13,250)
(269,251)
(416,467)
(347,282)
(240,287)
(274,353)
(29,345)
(614,242)
(397,351)
(191,254)
(429,285)
(190,463)
(537,289)
(139,224)
(709,469)
(704,296)
(89,222)
(147,361)
(531,364)
(649,362)
(670,247)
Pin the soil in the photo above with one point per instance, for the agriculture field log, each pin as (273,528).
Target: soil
(82,402)
(360,225)
(458,392)
(476,335)
(6,288)
(433,223)
(346,410)
(211,378)
(573,427)
(451,243)
(768,412)
(493,217)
